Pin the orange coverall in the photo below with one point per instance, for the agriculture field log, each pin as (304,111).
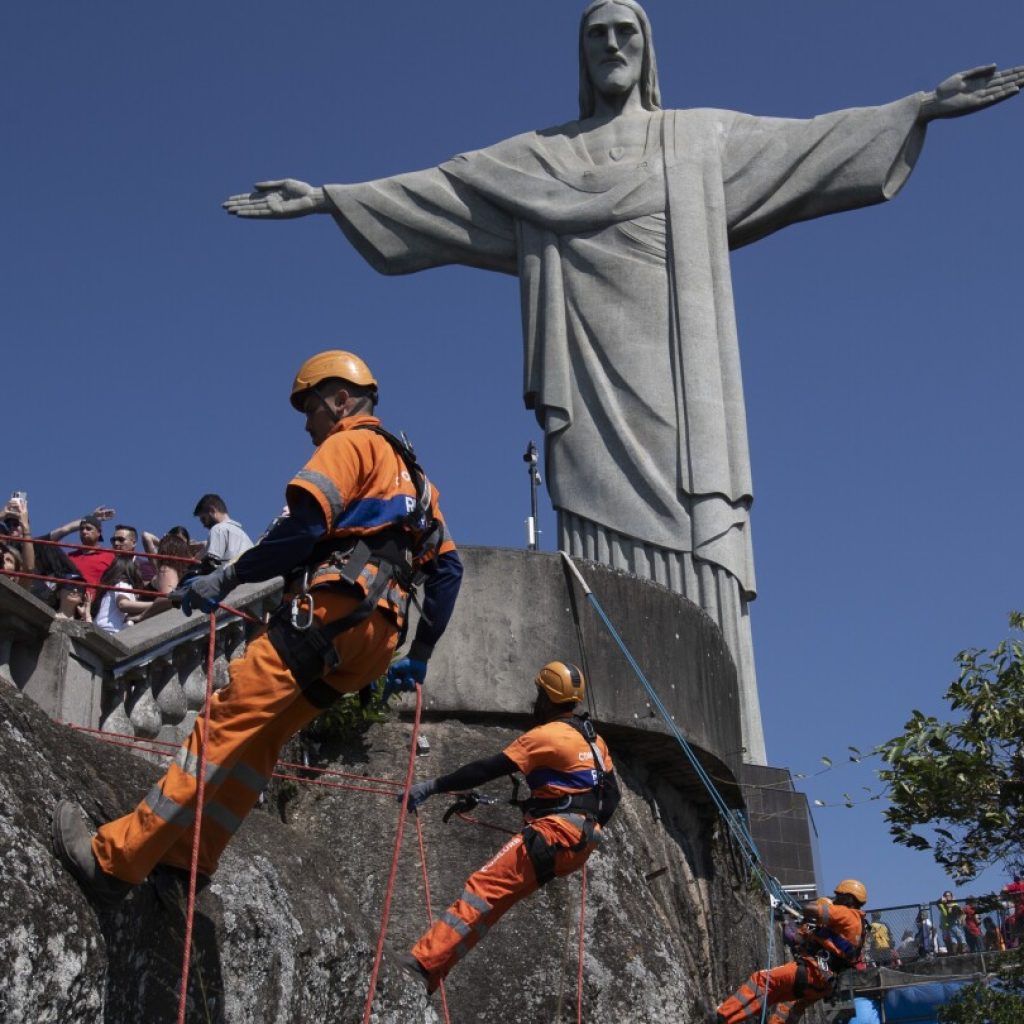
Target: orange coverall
(556,761)
(791,988)
(361,485)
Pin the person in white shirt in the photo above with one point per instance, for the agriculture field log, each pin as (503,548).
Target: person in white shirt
(118,608)
(227,538)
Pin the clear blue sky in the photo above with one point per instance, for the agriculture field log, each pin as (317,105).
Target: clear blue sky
(149,340)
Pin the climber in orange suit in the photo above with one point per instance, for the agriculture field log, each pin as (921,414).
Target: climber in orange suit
(828,942)
(573,793)
(363,530)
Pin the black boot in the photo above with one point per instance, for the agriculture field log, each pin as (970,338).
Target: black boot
(171,886)
(72,843)
(414,967)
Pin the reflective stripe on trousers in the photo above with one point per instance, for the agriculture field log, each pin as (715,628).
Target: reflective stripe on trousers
(744,1006)
(499,885)
(250,720)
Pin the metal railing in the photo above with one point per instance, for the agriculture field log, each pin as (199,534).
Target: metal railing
(919,931)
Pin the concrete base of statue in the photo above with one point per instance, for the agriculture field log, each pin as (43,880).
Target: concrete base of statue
(514,614)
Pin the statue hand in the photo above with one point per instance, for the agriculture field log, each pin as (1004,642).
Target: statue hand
(968,91)
(278,199)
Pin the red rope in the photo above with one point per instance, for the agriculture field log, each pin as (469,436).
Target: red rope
(136,745)
(343,775)
(430,909)
(144,746)
(334,785)
(579,970)
(102,734)
(96,547)
(389,890)
(242,615)
(148,747)
(486,824)
(84,584)
(198,823)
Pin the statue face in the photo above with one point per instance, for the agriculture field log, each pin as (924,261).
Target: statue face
(614,46)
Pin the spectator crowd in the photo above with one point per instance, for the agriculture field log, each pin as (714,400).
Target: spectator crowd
(112,586)
(946,928)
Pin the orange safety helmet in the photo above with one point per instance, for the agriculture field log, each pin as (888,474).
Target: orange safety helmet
(562,682)
(853,888)
(327,365)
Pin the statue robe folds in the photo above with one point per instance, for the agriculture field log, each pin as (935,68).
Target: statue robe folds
(631,356)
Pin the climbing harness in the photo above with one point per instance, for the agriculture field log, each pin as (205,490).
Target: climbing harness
(308,651)
(375,566)
(590,802)
(542,854)
(833,953)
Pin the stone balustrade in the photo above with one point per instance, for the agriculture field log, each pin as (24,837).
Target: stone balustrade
(148,681)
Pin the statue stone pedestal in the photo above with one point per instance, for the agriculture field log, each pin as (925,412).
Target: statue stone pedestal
(514,615)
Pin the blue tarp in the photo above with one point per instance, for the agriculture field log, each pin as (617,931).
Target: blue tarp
(914,1004)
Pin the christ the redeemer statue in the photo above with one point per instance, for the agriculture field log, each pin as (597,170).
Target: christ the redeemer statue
(618,226)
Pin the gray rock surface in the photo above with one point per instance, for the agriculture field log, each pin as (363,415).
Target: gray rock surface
(286,930)
(278,936)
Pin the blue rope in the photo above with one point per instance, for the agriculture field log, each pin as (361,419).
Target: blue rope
(739,831)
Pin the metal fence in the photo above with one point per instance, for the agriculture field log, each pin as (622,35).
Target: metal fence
(917,931)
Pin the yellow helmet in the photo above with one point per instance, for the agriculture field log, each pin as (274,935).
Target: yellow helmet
(562,682)
(853,888)
(327,365)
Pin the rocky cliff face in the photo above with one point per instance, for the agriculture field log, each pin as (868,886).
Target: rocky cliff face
(286,931)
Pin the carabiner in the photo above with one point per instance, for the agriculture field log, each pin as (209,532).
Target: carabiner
(302,611)
(303,605)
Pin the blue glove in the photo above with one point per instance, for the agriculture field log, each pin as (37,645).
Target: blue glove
(404,676)
(204,592)
(419,793)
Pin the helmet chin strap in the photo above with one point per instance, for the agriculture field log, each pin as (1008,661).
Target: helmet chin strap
(336,417)
(546,710)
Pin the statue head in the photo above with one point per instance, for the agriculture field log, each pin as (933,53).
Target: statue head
(650,96)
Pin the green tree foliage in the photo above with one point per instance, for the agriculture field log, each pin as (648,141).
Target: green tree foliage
(965,778)
(979,1004)
(349,715)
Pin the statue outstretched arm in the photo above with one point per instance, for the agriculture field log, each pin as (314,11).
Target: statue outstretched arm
(400,224)
(278,200)
(969,91)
